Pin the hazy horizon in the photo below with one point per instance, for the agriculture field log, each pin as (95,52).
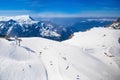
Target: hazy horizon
(61,8)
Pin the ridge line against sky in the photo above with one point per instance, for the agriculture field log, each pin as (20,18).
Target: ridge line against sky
(61,8)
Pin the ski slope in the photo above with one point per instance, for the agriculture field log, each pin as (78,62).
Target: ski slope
(87,56)
(16,63)
(99,42)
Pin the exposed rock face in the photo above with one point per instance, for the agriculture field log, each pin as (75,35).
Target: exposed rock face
(116,24)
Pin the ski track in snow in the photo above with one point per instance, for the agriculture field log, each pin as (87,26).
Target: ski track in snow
(74,59)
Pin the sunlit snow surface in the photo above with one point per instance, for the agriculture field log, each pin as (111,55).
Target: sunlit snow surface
(90,55)
(26,19)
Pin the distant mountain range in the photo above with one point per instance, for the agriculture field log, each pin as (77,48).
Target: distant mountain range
(26,26)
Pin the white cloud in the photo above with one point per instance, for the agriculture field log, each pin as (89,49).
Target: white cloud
(83,14)
(53,14)
(58,14)
(14,12)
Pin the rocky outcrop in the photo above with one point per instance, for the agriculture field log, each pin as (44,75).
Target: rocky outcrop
(116,24)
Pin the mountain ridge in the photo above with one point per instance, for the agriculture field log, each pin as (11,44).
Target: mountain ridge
(26,26)
(31,28)
(22,17)
(115,24)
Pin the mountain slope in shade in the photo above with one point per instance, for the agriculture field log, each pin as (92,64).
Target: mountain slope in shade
(91,55)
(25,26)
(115,24)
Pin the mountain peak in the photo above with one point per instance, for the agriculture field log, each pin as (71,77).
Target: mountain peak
(116,24)
(19,18)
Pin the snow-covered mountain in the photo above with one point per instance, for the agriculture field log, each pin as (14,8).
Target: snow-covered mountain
(25,26)
(104,40)
(116,24)
(90,55)
(69,21)
(77,24)
(55,28)
(22,18)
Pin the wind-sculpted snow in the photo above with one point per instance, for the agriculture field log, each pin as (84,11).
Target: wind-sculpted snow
(96,58)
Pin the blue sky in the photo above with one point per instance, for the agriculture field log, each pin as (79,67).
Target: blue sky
(61,8)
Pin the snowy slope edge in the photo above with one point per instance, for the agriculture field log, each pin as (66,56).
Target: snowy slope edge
(61,61)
